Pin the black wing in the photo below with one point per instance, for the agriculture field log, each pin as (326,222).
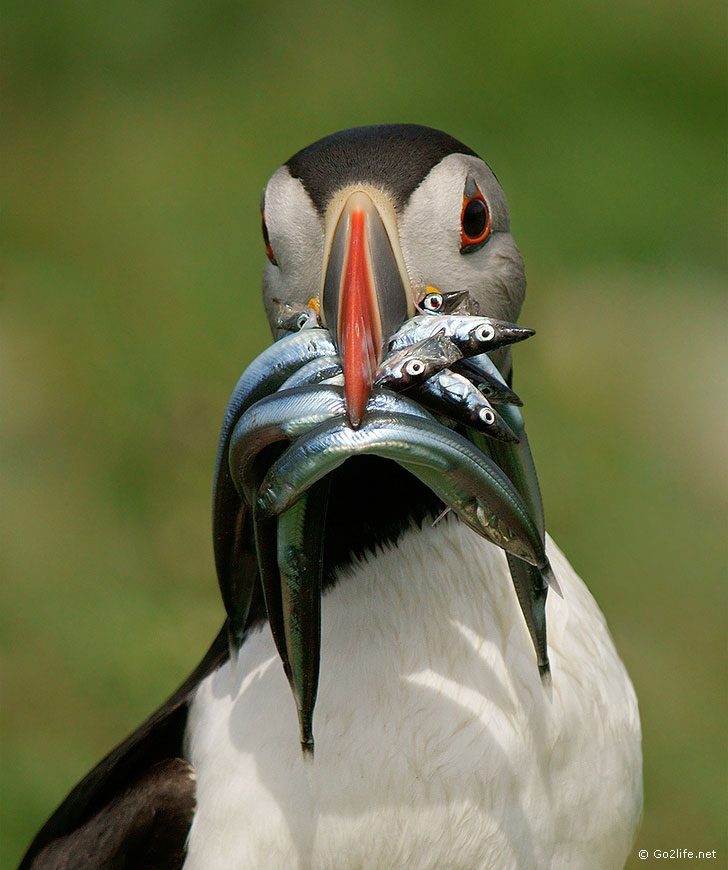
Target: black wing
(135,807)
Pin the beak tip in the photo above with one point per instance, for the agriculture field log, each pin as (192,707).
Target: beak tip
(357,389)
(355,416)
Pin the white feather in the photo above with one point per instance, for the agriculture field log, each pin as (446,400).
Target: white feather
(436,744)
(429,231)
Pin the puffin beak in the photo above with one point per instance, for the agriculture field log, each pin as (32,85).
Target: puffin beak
(366,293)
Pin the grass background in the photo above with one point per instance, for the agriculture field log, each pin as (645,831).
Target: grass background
(137,139)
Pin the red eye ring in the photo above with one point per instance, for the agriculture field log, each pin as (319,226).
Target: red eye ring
(474,218)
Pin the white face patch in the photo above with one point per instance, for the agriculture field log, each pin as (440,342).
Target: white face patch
(296,233)
(430,232)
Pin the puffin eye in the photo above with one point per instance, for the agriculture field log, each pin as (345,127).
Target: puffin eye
(474,218)
(432,302)
(266,240)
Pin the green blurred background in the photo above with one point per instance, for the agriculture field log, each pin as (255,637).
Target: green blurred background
(137,140)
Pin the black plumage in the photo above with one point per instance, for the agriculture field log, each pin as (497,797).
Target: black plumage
(394,157)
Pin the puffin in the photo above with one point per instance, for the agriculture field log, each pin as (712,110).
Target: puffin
(439,743)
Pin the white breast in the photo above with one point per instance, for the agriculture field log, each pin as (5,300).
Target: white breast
(436,744)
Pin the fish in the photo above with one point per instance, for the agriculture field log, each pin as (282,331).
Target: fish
(531,590)
(272,368)
(294,317)
(530,583)
(457,472)
(517,462)
(238,577)
(398,371)
(235,555)
(417,362)
(266,545)
(286,416)
(313,372)
(300,564)
(473,335)
(454,396)
(291,577)
(483,373)
(452,302)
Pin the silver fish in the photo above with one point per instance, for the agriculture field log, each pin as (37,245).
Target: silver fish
(266,545)
(291,574)
(285,416)
(452,302)
(294,317)
(274,366)
(300,563)
(481,371)
(530,583)
(313,372)
(531,590)
(235,560)
(417,362)
(238,574)
(336,380)
(473,335)
(453,395)
(459,474)
(517,462)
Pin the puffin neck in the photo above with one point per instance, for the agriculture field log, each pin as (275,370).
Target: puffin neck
(372,503)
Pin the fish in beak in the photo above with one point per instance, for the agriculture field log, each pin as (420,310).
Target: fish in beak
(366,293)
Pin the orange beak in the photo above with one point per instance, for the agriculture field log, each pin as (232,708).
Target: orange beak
(366,295)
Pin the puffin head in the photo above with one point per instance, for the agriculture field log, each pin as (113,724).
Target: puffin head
(372,225)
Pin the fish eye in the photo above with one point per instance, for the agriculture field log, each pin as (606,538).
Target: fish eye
(487,416)
(485,332)
(432,302)
(414,367)
(301,320)
(474,218)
